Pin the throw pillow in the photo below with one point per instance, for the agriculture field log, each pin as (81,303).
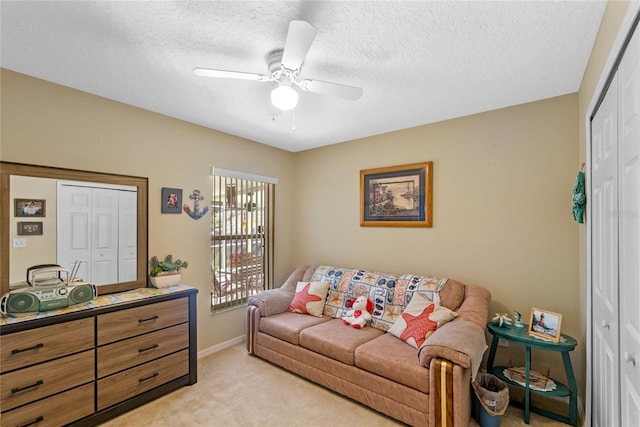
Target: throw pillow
(347,284)
(421,318)
(309,298)
(408,284)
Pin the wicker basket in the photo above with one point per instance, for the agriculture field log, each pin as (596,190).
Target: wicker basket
(538,375)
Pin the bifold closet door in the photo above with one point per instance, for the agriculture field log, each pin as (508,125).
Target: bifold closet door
(629,231)
(615,243)
(604,261)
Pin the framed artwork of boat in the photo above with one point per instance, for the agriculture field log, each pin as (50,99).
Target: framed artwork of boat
(397,196)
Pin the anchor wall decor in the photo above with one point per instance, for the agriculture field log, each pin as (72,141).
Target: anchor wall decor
(196,213)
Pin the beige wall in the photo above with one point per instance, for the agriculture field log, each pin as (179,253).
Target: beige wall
(51,125)
(40,249)
(502,209)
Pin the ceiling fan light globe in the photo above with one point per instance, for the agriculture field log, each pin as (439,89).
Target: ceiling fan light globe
(284,97)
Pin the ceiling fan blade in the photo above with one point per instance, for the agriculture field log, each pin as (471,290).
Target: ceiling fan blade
(334,89)
(207,72)
(299,39)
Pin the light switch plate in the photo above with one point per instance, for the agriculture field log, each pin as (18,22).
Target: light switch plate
(19,243)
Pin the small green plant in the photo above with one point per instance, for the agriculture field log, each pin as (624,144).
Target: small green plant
(169,264)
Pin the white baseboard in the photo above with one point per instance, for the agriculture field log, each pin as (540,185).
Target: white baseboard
(215,348)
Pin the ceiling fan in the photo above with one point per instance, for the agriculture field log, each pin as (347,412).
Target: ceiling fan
(284,69)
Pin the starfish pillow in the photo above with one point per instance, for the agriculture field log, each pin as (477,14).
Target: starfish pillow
(421,318)
(309,298)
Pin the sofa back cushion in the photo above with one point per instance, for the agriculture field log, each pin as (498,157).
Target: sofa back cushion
(389,294)
(348,284)
(452,295)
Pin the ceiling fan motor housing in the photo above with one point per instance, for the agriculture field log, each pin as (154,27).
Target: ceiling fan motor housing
(276,69)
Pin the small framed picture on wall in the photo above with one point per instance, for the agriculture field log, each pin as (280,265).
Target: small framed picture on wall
(29,207)
(171,200)
(30,228)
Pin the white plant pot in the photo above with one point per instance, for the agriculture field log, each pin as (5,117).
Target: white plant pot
(164,280)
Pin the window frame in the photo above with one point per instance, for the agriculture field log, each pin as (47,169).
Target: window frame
(242,232)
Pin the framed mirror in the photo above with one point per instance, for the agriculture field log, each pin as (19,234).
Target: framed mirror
(31,214)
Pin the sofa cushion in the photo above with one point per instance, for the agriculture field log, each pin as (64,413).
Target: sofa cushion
(336,340)
(408,284)
(287,326)
(392,359)
(421,318)
(347,284)
(452,294)
(309,298)
(333,275)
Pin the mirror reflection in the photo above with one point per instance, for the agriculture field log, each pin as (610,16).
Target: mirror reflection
(94,224)
(88,228)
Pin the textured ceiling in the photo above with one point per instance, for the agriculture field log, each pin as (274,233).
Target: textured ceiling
(417,62)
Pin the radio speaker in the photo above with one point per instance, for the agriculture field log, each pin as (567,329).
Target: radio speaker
(82,293)
(20,303)
(45,298)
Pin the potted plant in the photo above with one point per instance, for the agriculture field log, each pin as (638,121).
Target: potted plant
(167,272)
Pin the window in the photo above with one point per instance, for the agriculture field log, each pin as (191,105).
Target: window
(241,237)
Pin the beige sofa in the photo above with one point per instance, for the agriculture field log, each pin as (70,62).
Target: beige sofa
(429,386)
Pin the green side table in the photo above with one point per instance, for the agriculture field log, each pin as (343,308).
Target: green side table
(521,336)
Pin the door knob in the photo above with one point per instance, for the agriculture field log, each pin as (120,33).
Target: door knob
(629,358)
(606,325)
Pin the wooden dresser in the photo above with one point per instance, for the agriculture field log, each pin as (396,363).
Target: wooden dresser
(91,362)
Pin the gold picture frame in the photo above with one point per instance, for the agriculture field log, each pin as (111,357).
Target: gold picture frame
(545,324)
(397,196)
(30,208)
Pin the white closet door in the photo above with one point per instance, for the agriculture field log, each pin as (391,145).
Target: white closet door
(128,236)
(629,231)
(104,247)
(74,229)
(604,223)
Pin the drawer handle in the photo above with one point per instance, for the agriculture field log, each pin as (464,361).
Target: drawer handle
(20,350)
(143,379)
(149,319)
(142,350)
(30,423)
(19,389)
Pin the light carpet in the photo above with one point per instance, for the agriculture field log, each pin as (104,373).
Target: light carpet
(236,389)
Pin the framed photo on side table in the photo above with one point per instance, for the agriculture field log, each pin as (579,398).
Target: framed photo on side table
(397,196)
(545,324)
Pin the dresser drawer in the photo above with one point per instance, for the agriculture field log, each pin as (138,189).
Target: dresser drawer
(38,345)
(135,321)
(45,379)
(129,383)
(135,351)
(55,411)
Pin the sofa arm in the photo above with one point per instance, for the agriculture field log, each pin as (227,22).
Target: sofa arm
(278,300)
(460,341)
(270,302)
